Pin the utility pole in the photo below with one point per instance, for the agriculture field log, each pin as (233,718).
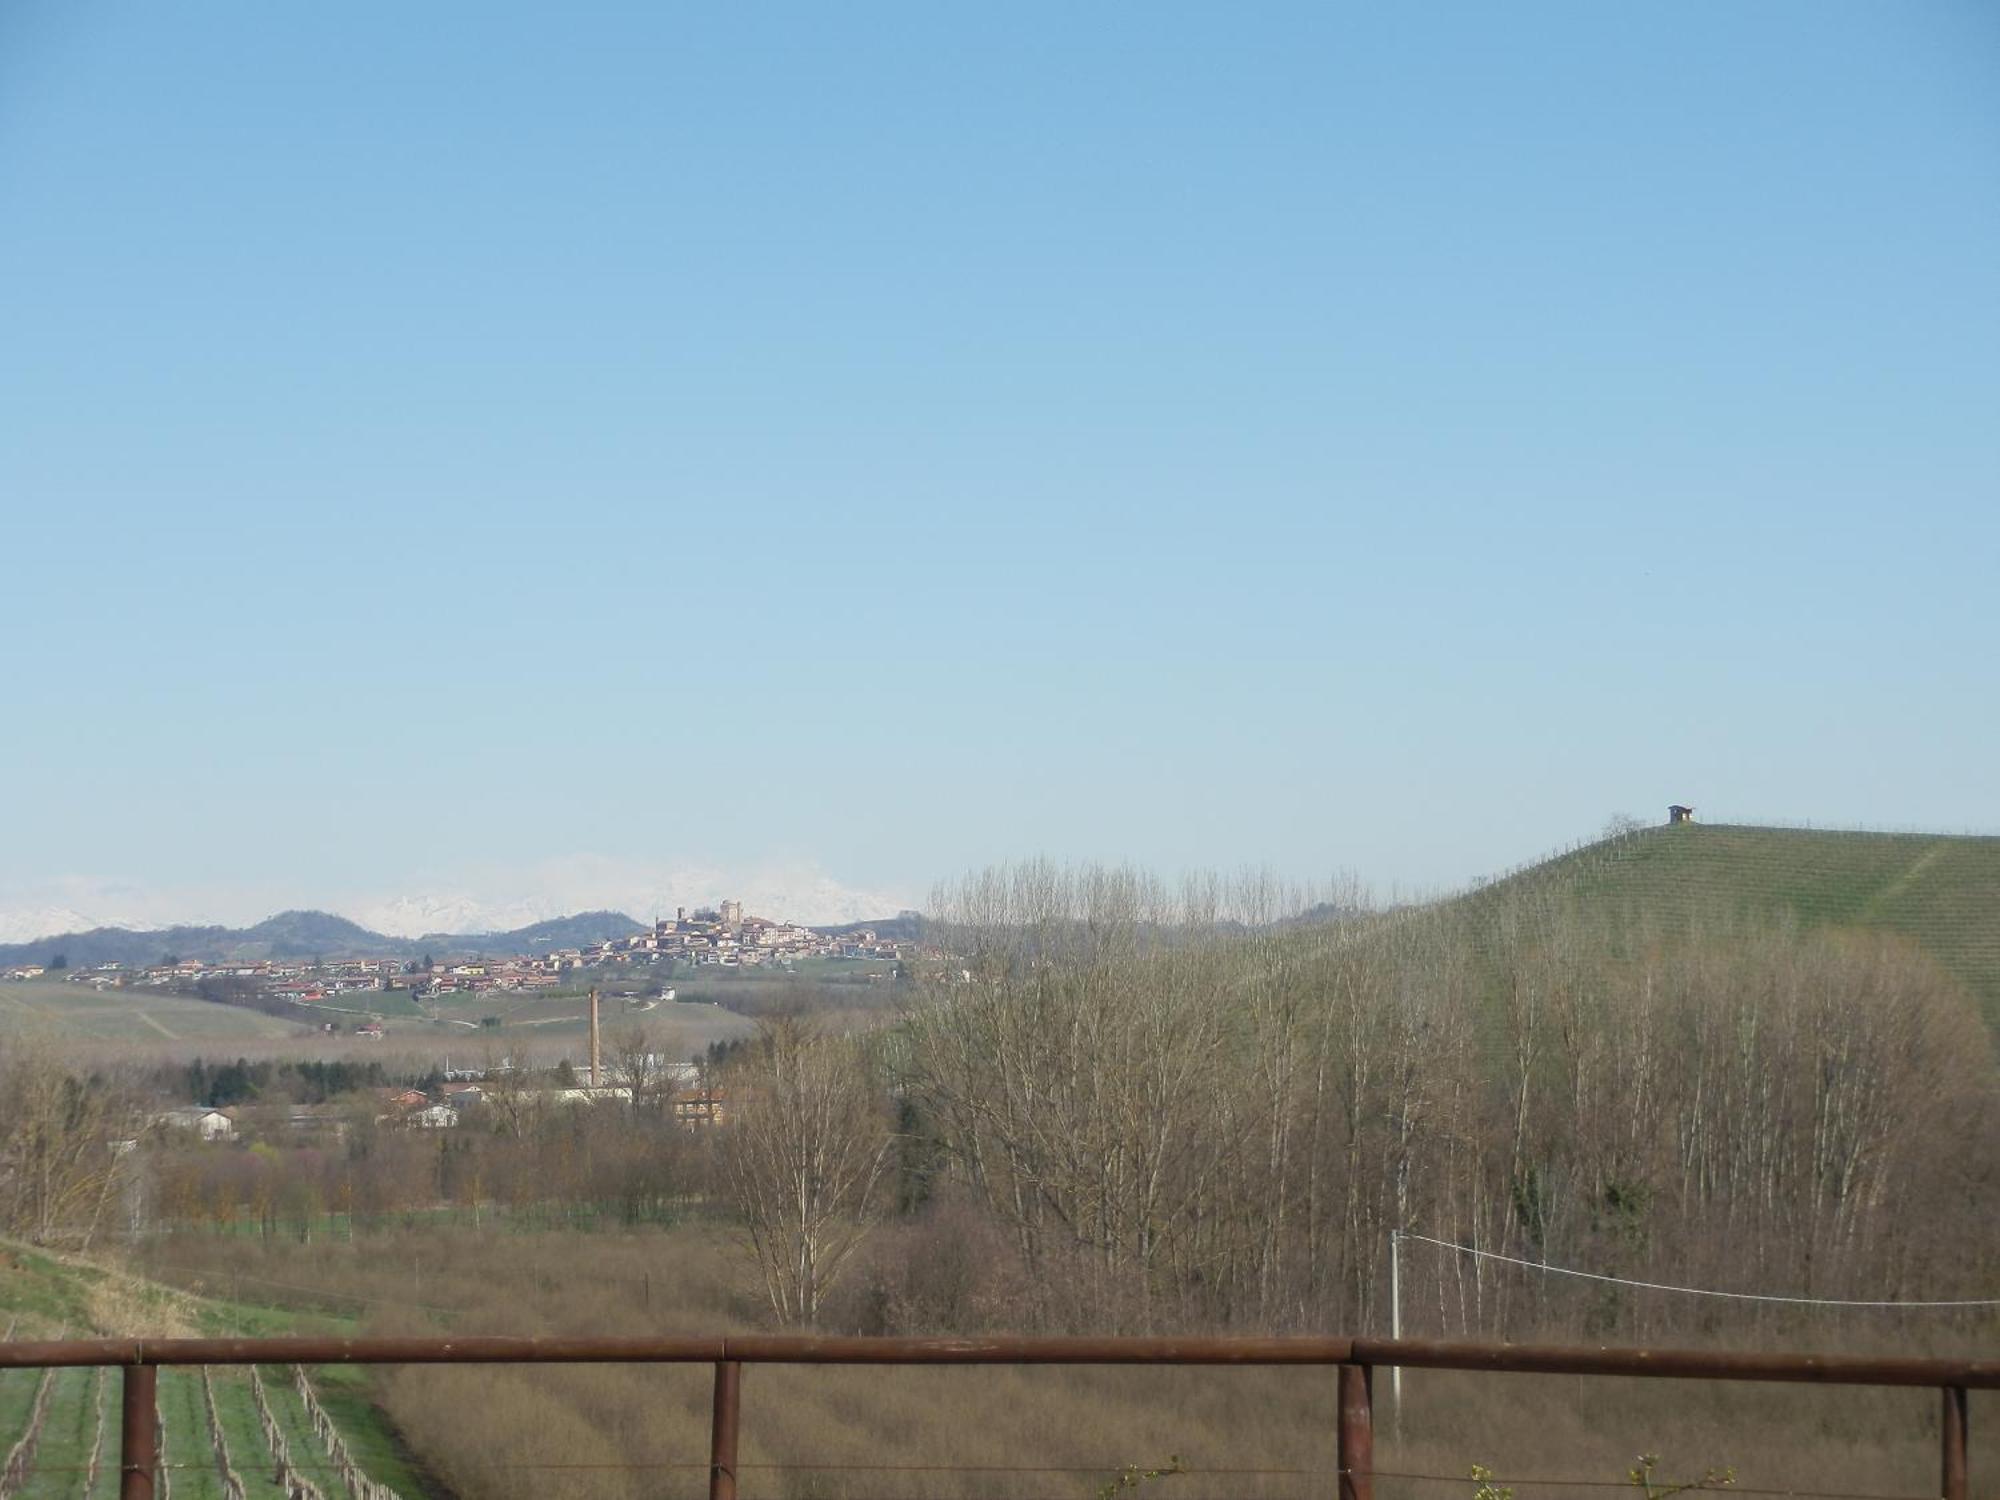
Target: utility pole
(1396,1325)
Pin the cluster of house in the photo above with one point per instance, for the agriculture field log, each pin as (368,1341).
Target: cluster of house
(677,1087)
(723,937)
(288,979)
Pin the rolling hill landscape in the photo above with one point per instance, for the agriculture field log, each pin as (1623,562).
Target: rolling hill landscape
(624,1217)
(961,684)
(1939,891)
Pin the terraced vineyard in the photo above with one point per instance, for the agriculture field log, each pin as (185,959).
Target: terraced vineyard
(1941,891)
(227,1434)
(218,1445)
(73,1455)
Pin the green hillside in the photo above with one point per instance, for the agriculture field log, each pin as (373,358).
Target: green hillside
(79,1012)
(1940,890)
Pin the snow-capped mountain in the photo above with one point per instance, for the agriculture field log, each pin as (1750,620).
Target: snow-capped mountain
(482,901)
(29,923)
(416,916)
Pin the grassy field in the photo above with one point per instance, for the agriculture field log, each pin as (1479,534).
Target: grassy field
(151,1026)
(43,1296)
(1942,892)
(549,1025)
(77,1012)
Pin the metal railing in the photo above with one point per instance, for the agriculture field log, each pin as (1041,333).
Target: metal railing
(1354,1359)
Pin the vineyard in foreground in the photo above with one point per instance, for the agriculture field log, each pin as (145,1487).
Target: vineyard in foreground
(226,1435)
(255,1434)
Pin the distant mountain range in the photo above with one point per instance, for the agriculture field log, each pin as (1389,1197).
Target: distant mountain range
(419,909)
(319,934)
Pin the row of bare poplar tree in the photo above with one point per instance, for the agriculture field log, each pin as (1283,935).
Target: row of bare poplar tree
(1122,1107)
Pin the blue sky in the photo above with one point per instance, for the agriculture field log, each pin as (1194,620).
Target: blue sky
(438,441)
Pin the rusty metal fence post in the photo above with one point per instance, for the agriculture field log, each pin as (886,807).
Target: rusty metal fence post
(1957,1483)
(722,1436)
(1355,1451)
(138,1442)
(1354,1359)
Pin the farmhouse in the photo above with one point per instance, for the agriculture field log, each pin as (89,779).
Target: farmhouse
(208,1124)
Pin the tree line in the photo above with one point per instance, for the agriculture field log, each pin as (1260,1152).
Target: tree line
(1123,1107)
(1145,1109)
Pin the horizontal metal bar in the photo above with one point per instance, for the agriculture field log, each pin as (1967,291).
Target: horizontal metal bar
(1019,1350)
(1679,1364)
(377,1351)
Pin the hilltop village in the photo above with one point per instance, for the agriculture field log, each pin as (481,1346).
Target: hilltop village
(723,938)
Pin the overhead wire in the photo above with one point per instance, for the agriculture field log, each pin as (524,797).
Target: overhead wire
(1697,1291)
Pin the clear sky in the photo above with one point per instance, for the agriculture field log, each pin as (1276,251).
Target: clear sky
(442,440)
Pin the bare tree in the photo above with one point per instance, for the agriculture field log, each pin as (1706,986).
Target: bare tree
(642,1060)
(802,1155)
(59,1147)
(510,1099)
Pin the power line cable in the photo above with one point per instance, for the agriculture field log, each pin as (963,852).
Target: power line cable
(1693,1291)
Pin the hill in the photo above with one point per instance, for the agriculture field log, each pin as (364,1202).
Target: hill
(83,1013)
(904,927)
(307,934)
(578,931)
(1942,891)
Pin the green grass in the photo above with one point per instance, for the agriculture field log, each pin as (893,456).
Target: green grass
(1941,891)
(106,1486)
(17,1401)
(236,1407)
(69,1433)
(290,1410)
(39,1294)
(344,1391)
(188,1450)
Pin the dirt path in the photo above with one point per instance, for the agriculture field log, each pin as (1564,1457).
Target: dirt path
(1903,881)
(172,1036)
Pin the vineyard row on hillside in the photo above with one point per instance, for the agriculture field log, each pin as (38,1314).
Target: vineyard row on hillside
(222,1437)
